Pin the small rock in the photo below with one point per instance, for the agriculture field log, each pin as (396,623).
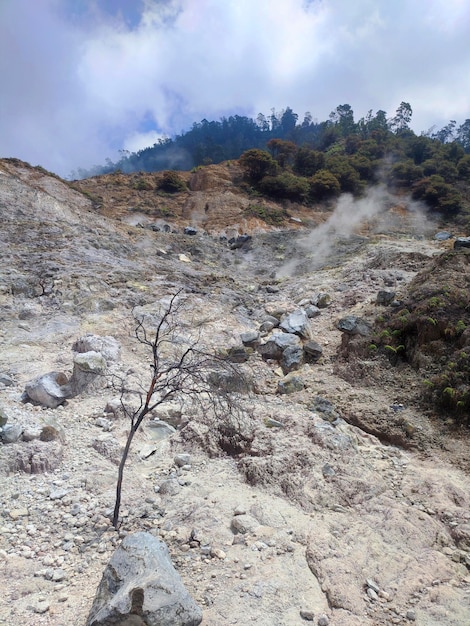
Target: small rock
(3,417)
(290,384)
(313,351)
(57,494)
(353,325)
(244,524)
(462,242)
(385,298)
(442,235)
(312,311)
(323,620)
(292,359)
(307,615)
(103,423)
(249,338)
(328,471)
(147,450)
(49,390)
(160,430)
(372,594)
(411,615)
(321,300)
(372,585)
(297,323)
(170,487)
(10,433)
(6,380)
(272,423)
(240,510)
(218,553)
(182,459)
(17,513)
(41,607)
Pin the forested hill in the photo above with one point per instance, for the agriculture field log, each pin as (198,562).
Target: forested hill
(216,141)
(310,162)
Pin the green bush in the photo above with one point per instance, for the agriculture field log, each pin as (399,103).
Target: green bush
(438,194)
(273,216)
(405,173)
(171,182)
(324,185)
(257,164)
(286,185)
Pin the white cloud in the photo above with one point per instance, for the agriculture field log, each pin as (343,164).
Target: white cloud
(74,91)
(139,141)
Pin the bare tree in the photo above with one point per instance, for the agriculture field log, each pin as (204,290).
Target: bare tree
(178,368)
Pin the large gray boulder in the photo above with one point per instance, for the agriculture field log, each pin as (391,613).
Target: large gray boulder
(48,390)
(141,586)
(292,359)
(297,323)
(462,242)
(353,325)
(88,372)
(276,344)
(107,346)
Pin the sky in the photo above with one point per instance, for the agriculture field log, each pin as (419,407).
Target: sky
(82,79)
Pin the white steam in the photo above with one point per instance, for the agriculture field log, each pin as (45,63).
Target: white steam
(378,212)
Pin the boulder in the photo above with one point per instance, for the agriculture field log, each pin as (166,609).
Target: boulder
(48,390)
(313,351)
(385,297)
(170,412)
(6,380)
(290,384)
(292,358)
(297,323)
(462,242)
(107,346)
(325,408)
(242,241)
(442,235)
(250,338)
(141,586)
(239,354)
(88,372)
(160,430)
(312,311)
(276,344)
(268,324)
(321,300)
(353,325)
(11,433)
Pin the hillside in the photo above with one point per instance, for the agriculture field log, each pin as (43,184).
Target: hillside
(341,489)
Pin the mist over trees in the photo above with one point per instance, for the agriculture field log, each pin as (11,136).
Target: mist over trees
(304,160)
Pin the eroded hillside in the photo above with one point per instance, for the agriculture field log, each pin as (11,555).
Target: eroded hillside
(334,496)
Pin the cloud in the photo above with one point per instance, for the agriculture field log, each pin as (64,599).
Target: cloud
(83,79)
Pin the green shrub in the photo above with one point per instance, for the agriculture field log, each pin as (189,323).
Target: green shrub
(171,182)
(273,216)
(286,185)
(324,185)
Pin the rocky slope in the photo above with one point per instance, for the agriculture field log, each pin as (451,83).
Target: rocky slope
(346,504)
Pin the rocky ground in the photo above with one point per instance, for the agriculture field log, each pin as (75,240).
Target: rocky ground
(346,505)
